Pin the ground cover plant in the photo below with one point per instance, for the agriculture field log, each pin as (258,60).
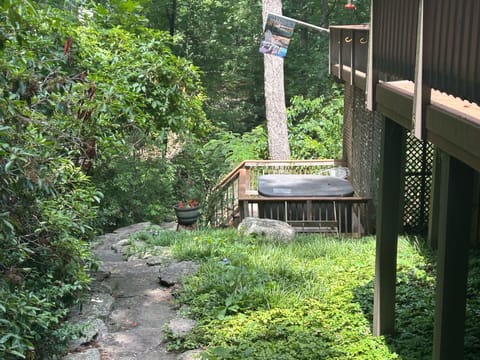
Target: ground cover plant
(311,299)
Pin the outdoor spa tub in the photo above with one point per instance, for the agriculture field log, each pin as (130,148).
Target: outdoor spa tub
(283,185)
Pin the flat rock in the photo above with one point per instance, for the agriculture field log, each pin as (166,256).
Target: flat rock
(99,305)
(117,247)
(158,260)
(100,274)
(173,273)
(126,298)
(126,231)
(93,329)
(190,355)
(101,287)
(89,354)
(180,327)
(169,226)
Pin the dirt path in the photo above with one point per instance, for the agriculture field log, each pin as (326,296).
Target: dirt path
(128,308)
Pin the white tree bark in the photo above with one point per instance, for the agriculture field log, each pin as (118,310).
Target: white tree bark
(276,112)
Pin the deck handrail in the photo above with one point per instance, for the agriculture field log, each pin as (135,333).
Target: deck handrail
(229,177)
(285,163)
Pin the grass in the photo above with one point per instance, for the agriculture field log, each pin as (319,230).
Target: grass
(311,299)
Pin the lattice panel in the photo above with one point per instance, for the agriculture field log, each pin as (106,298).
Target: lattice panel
(418,182)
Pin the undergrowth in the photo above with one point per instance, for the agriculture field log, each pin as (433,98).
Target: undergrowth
(311,299)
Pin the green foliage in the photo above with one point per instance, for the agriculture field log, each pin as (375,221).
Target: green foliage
(234,148)
(73,93)
(138,187)
(143,93)
(309,299)
(315,132)
(315,128)
(223,37)
(139,82)
(306,65)
(48,213)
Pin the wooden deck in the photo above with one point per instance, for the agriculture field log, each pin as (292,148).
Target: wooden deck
(432,46)
(451,123)
(343,216)
(348,216)
(337,215)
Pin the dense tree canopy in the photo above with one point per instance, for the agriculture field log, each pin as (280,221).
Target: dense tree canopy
(223,37)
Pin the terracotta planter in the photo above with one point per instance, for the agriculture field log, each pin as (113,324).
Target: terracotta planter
(187,215)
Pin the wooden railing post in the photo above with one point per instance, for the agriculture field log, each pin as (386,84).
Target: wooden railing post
(242,192)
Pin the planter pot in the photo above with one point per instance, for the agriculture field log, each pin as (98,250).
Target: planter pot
(187,216)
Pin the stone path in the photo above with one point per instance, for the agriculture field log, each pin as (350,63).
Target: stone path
(130,305)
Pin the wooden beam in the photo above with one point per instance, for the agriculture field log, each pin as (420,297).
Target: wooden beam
(456,210)
(434,222)
(345,74)
(242,191)
(422,92)
(395,105)
(389,213)
(372,73)
(455,134)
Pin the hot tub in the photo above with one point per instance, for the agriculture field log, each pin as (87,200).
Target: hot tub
(281,185)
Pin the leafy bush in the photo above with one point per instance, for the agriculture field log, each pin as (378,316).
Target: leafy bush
(49,209)
(73,93)
(234,148)
(315,132)
(315,127)
(136,188)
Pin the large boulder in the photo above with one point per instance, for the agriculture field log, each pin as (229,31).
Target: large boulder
(271,230)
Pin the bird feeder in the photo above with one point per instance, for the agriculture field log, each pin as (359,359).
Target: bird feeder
(349,5)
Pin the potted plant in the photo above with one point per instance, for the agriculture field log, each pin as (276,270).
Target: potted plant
(187,212)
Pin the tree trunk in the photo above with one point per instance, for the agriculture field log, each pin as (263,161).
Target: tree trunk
(171,15)
(276,112)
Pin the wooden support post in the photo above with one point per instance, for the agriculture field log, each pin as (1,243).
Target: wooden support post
(435,195)
(242,192)
(309,206)
(456,210)
(353,69)
(372,73)
(476,210)
(389,212)
(340,55)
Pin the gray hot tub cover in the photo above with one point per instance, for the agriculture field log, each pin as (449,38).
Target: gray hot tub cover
(303,186)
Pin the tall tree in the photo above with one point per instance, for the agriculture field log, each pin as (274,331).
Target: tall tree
(276,111)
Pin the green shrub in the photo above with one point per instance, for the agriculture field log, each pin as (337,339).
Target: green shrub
(49,210)
(315,132)
(135,189)
(315,127)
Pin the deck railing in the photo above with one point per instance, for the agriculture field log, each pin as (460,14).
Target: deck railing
(348,53)
(395,37)
(450,39)
(450,48)
(236,197)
